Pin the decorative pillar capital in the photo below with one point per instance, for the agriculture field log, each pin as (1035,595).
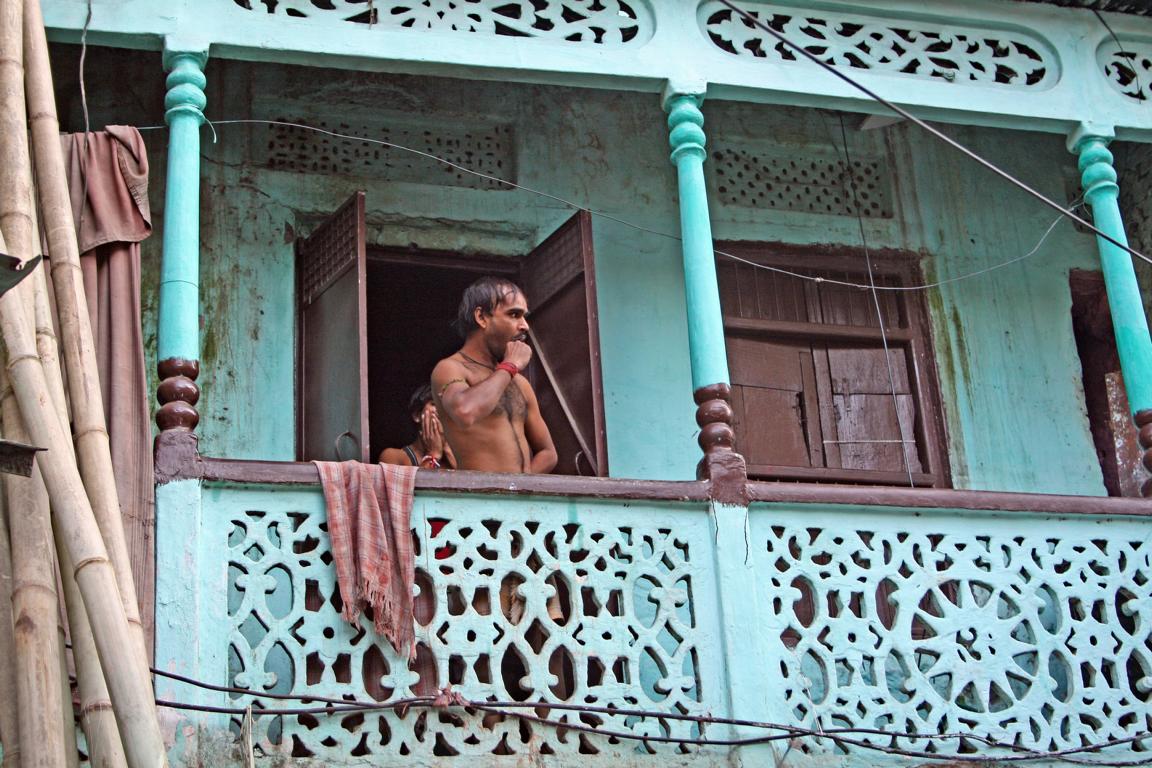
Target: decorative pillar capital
(685,126)
(186,83)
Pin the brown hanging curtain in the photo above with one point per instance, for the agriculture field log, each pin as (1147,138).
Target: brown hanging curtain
(108,182)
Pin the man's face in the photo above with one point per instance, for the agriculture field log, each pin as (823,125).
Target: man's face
(508,322)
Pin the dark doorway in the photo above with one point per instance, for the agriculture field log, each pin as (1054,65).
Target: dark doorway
(373,322)
(410,311)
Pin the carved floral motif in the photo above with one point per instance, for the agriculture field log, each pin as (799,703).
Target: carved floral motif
(1034,641)
(602,22)
(954,54)
(1129,71)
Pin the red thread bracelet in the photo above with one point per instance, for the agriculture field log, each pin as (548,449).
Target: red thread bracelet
(511,368)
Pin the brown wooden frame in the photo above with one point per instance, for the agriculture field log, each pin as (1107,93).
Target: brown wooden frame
(914,338)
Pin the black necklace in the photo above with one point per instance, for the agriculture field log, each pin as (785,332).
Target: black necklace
(477,362)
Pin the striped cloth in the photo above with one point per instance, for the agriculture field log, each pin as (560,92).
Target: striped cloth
(369,509)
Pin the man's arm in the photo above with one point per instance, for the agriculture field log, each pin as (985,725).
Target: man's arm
(539,438)
(460,402)
(468,404)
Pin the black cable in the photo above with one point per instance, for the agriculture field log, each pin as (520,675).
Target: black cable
(839,735)
(750,19)
(790,732)
(1124,53)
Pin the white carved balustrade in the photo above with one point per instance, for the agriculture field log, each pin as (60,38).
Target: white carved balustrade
(1028,629)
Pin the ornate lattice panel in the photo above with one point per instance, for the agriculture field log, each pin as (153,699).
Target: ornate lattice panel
(1129,71)
(943,52)
(508,609)
(483,149)
(1036,640)
(759,177)
(599,22)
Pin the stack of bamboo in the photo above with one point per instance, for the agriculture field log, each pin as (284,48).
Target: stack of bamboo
(61,525)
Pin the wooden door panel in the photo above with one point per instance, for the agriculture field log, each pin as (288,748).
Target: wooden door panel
(772,427)
(862,370)
(332,363)
(762,363)
(869,436)
(560,279)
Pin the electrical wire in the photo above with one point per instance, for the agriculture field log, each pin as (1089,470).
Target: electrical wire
(940,135)
(87,120)
(1120,47)
(640,227)
(842,736)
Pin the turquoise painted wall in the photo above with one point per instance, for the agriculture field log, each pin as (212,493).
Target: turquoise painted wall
(601,149)
(1006,357)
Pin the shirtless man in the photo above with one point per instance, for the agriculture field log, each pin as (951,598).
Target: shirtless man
(488,410)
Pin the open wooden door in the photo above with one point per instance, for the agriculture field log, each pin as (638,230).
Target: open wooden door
(332,362)
(560,279)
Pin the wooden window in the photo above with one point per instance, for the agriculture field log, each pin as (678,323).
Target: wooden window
(372,323)
(813,394)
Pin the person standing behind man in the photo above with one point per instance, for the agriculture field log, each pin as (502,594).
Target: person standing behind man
(488,409)
(428,450)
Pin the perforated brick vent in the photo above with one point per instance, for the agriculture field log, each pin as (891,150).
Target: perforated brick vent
(756,178)
(486,150)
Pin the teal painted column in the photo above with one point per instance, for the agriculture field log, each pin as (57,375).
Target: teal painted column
(178,335)
(711,388)
(1129,323)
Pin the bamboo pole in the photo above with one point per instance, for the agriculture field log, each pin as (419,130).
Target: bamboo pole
(9,730)
(127,683)
(34,603)
(34,607)
(131,696)
(91,434)
(67,715)
(127,674)
(105,750)
(46,347)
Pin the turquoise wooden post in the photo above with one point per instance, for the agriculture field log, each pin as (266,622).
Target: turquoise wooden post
(178,336)
(711,388)
(1129,323)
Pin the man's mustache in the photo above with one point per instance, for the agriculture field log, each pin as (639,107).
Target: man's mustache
(520,337)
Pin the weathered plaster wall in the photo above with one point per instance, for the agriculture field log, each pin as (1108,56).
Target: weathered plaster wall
(1007,362)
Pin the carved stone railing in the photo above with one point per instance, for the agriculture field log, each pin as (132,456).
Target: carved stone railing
(1024,629)
(1020,620)
(599,603)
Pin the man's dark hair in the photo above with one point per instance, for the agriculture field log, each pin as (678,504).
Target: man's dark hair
(485,294)
(420,397)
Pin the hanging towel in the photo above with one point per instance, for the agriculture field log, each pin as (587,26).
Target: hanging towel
(108,182)
(369,513)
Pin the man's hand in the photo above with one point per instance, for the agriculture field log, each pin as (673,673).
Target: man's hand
(518,354)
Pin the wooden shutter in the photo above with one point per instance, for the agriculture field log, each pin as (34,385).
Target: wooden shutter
(560,279)
(332,364)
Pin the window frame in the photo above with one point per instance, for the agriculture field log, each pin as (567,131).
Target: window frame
(914,337)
